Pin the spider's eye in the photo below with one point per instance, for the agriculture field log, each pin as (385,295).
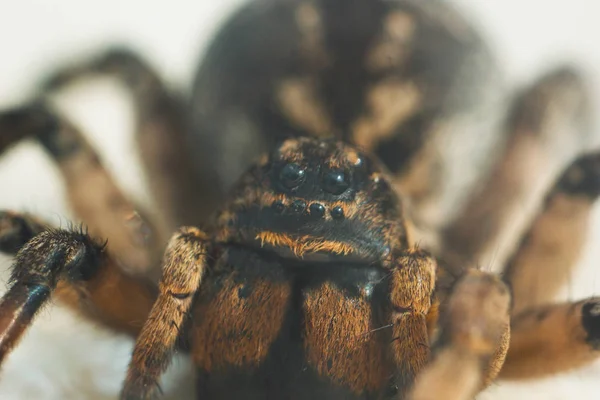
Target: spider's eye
(292,175)
(335,182)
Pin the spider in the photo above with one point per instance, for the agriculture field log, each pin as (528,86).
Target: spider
(310,279)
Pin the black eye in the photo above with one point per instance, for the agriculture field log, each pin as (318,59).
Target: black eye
(292,175)
(335,182)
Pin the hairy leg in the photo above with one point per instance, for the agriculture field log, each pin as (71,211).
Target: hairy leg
(554,338)
(471,343)
(71,267)
(546,129)
(412,284)
(549,338)
(185,264)
(551,248)
(93,194)
(162,125)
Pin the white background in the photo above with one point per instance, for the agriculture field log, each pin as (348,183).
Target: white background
(64,358)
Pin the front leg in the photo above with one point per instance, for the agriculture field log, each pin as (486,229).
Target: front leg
(472,340)
(184,266)
(411,294)
(75,269)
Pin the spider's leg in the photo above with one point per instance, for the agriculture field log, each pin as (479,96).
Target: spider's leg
(73,268)
(411,287)
(547,128)
(554,338)
(162,126)
(94,196)
(471,342)
(549,338)
(184,265)
(549,251)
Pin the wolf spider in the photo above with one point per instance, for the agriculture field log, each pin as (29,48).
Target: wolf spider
(331,268)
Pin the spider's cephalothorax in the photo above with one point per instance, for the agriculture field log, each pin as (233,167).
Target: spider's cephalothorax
(312,250)
(308,280)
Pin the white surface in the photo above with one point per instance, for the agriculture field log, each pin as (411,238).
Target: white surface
(63,358)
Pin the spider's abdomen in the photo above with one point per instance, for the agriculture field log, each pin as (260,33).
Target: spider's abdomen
(397,78)
(270,328)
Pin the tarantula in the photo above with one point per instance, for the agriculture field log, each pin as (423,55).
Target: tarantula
(341,264)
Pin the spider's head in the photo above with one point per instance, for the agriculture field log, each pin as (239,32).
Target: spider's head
(312,198)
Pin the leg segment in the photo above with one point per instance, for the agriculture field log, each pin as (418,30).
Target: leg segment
(546,130)
(549,338)
(94,196)
(412,285)
(552,339)
(73,268)
(471,343)
(551,248)
(162,124)
(185,264)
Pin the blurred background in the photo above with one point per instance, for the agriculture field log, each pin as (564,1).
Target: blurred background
(63,357)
